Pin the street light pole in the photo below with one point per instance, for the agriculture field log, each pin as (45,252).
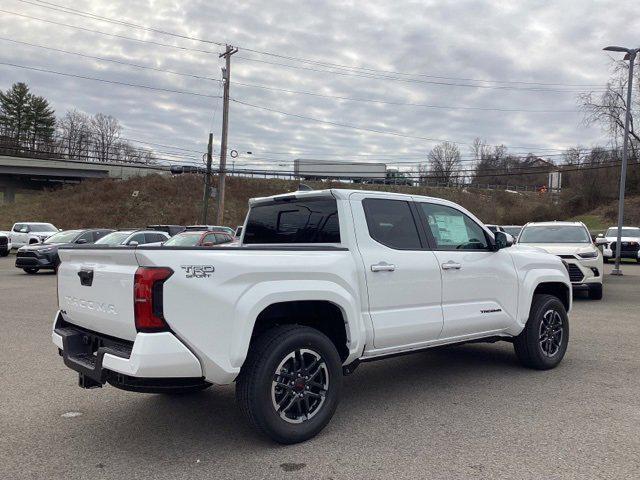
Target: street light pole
(631,56)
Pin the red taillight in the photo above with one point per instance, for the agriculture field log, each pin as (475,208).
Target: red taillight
(147,298)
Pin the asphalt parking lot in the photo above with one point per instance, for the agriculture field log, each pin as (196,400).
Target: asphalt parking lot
(460,412)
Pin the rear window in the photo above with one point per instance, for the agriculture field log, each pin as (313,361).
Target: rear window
(307,220)
(391,223)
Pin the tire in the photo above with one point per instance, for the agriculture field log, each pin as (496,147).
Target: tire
(528,345)
(595,291)
(260,391)
(4,253)
(31,270)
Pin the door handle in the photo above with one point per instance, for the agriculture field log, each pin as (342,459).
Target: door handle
(451,265)
(383,267)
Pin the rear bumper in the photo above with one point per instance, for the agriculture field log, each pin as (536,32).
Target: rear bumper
(99,358)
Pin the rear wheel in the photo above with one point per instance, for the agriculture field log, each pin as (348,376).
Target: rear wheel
(544,340)
(31,270)
(290,384)
(595,291)
(4,253)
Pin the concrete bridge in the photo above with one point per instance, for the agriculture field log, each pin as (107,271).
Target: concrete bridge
(24,173)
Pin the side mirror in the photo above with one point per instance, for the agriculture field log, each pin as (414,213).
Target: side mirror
(207,244)
(601,240)
(133,243)
(82,241)
(502,240)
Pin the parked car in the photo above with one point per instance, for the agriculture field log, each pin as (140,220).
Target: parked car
(28,233)
(571,242)
(44,256)
(217,228)
(132,238)
(5,244)
(629,243)
(170,229)
(323,280)
(513,230)
(196,238)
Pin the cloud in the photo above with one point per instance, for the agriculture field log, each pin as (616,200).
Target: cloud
(464,42)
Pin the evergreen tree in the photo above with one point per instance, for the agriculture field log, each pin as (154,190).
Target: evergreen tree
(15,104)
(41,122)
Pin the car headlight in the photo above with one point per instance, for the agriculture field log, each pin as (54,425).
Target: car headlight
(588,255)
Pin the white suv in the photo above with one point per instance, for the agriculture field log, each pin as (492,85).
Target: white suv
(629,243)
(572,242)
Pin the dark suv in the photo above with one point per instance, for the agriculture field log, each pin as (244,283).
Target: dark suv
(44,256)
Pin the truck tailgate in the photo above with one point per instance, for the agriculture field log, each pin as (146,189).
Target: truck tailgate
(95,289)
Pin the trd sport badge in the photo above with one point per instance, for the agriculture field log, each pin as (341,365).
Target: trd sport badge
(198,271)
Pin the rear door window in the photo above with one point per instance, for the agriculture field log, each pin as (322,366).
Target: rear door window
(391,223)
(308,220)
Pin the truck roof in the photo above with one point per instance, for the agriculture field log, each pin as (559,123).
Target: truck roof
(344,193)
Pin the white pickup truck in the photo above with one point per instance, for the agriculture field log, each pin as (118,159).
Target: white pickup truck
(321,281)
(29,233)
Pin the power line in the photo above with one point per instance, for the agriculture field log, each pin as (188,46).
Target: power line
(413,80)
(104,59)
(61,8)
(96,79)
(276,89)
(124,37)
(371,130)
(343,73)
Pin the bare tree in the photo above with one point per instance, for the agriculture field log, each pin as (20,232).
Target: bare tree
(608,109)
(105,131)
(76,131)
(445,162)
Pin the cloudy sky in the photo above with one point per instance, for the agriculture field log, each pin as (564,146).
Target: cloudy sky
(407,74)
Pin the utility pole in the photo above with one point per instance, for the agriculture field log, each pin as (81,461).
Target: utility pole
(226,77)
(631,56)
(207,182)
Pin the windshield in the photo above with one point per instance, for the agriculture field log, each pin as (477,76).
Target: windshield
(183,240)
(67,236)
(114,238)
(513,231)
(42,227)
(554,234)
(626,232)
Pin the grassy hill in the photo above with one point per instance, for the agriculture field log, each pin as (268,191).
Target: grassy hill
(178,200)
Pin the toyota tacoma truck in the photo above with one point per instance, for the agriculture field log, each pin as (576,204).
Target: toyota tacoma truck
(29,233)
(321,282)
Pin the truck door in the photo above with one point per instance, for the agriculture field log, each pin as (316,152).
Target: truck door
(402,274)
(479,285)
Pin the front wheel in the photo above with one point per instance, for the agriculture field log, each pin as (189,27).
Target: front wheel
(30,270)
(290,384)
(4,253)
(544,340)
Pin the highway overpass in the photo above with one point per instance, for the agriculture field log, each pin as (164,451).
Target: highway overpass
(23,173)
